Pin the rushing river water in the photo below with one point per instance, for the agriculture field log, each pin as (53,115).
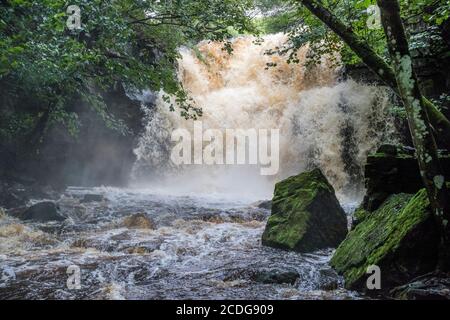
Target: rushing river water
(196,247)
(199,235)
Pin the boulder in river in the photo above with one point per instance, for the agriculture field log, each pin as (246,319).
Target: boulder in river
(42,212)
(92,198)
(328,279)
(399,237)
(139,221)
(276,276)
(306,215)
(263,204)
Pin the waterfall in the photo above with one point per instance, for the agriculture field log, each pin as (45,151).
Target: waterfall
(322,121)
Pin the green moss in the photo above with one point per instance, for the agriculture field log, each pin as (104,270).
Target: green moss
(360,215)
(384,155)
(379,235)
(292,213)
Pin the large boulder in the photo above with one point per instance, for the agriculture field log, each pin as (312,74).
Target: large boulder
(392,170)
(42,212)
(276,276)
(400,238)
(306,215)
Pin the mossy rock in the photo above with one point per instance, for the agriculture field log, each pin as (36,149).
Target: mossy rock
(306,215)
(359,216)
(399,237)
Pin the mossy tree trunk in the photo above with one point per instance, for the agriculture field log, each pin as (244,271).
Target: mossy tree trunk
(374,62)
(419,123)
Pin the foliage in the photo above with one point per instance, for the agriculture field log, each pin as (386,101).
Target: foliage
(134,42)
(304,28)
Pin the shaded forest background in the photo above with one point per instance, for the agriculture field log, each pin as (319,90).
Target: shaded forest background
(69,112)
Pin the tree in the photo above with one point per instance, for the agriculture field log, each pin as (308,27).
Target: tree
(419,124)
(422,115)
(44,65)
(375,63)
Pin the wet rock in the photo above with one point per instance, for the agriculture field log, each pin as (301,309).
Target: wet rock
(400,238)
(393,170)
(92,198)
(139,221)
(276,276)
(306,215)
(328,280)
(263,204)
(428,287)
(42,212)
(388,149)
(266,276)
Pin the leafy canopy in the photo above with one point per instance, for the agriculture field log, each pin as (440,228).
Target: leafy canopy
(134,42)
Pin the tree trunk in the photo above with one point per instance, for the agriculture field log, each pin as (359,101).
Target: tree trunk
(419,124)
(374,62)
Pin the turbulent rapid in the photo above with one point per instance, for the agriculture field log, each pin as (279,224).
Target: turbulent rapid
(194,232)
(195,248)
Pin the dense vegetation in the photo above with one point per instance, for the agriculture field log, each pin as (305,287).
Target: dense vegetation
(44,64)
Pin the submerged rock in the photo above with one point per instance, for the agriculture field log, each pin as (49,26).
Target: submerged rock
(328,279)
(306,215)
(276,276)
(42,211)
(92,198)
(138,221)
(399,238)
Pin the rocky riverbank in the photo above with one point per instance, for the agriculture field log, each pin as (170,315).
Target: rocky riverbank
(393,229)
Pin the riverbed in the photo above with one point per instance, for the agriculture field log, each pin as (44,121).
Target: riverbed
(195,246)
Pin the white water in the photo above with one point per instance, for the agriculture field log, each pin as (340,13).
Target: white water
(205,239)
(310,106)
(196,248)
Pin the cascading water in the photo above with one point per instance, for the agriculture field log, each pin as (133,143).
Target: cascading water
(199,237)
(322,122)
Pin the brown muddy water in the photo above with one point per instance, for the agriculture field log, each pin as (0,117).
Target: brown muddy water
(190,247)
